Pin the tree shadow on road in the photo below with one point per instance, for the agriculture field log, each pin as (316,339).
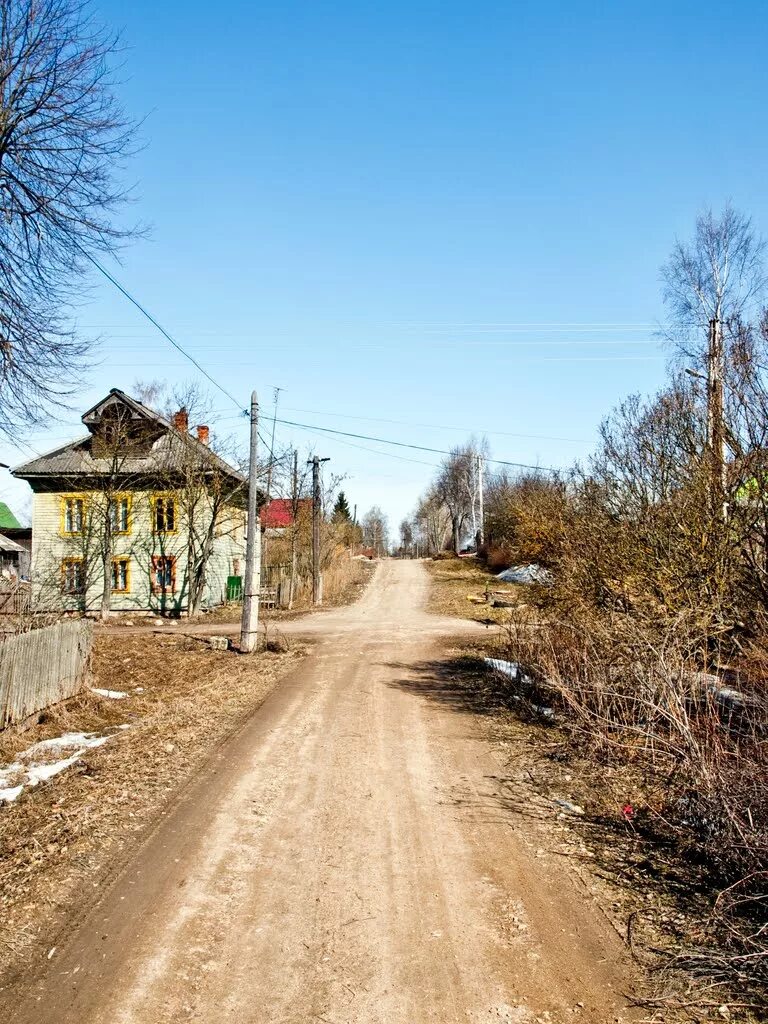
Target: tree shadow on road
(463,685)
(460,684)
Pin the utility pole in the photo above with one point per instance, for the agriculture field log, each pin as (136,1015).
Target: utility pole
(294,525)
(480,538)
(250,625)
(317,511)
(715,418)
(270,465)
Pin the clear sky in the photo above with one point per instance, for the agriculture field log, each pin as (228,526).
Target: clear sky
(443,214)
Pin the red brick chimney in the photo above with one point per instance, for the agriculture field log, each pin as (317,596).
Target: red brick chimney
(202,433)
(181,420)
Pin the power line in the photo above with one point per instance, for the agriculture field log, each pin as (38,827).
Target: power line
(375,451)
(180,348)
(176,345)
(442,426)
(415,447)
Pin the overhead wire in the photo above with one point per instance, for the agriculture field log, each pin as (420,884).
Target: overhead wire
(404,444)
(180,348)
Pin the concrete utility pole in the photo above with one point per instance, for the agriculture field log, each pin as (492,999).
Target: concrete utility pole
(252,584)
(715,418)
(317,511)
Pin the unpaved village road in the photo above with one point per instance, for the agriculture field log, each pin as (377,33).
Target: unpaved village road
(346,858)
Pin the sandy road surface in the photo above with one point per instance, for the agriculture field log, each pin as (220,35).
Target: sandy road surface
(347,859)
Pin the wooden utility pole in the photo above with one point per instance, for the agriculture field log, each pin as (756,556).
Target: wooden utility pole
(480,538)
(317,512)
(252,584)
(270,466)
(294,525)
(715,418)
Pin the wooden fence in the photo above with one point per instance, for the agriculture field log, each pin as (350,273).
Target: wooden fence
(14,597)
(43,667)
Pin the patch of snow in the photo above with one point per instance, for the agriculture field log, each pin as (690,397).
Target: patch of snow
(33,765)
(507,668)
(43,772)
(544,711)
(526,574)
(69,739)
(569,807)
(112,694)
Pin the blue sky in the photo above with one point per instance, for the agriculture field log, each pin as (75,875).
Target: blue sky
(436,214)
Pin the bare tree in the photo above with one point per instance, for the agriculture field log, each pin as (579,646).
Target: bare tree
(432,521)
(718,275)
(406,537)
(457,485)
(376,530)
(63,136)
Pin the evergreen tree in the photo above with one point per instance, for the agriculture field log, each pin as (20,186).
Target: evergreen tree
(341,513)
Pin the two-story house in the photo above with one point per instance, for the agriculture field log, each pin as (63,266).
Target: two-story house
(138,515)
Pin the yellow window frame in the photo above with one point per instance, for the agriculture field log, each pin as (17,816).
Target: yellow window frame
(116,561)
(125,496)
(164,496)
(65,563)
(63,501)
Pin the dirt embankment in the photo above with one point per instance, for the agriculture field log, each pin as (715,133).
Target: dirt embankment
(57,839)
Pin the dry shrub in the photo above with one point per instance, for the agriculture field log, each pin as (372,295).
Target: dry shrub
(694,749)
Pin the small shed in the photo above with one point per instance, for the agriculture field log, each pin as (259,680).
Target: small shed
(14,559)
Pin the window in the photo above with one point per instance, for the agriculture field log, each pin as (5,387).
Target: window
(163,573)
(164,514)
(121,575)
(120,513)
(72,516)
(72,576)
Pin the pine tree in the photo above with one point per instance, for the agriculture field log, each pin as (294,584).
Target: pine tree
(341,513)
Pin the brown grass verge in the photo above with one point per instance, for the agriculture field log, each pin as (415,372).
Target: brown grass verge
(661,899)
(703,949)
(343,583)
(459,586)
(59,839)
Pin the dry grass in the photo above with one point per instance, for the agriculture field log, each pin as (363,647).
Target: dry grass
(459,586)
(660,901)
(343,583)
(59,839)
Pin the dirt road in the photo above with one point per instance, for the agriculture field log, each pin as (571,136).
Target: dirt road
(347,858)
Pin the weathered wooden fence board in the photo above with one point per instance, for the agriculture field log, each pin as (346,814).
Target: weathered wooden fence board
(42,667)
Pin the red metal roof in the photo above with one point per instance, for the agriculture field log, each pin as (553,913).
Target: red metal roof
(279,513)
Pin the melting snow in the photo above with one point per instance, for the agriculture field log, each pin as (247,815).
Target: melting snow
(507,668)
(33,765)
(114,694)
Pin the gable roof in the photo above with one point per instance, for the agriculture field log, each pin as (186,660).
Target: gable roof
(8,520)
(168,452)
